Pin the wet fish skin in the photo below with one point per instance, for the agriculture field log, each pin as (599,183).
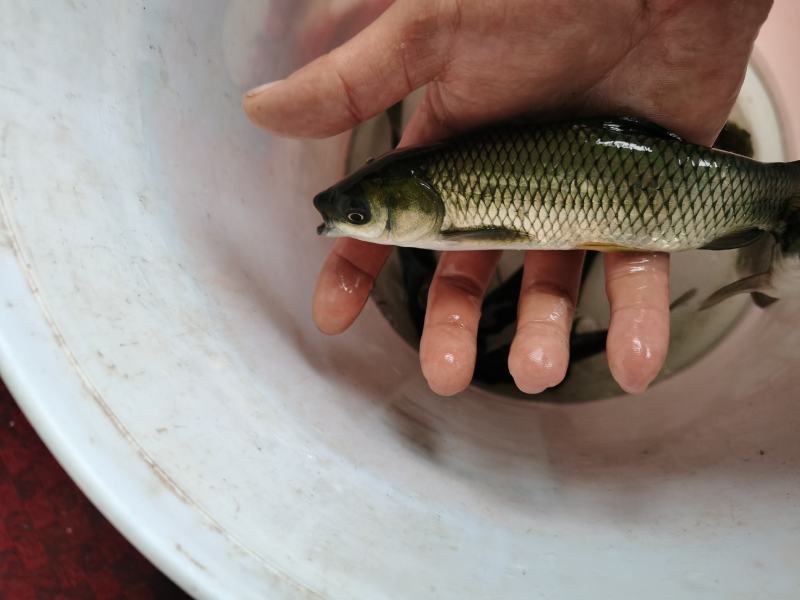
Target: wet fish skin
(606,184)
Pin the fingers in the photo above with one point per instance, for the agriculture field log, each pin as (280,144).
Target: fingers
(447,349)
(539,354)
(400,51)
(638,290)
(345,282)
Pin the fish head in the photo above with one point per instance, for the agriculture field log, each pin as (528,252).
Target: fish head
(385,206)
(348,212)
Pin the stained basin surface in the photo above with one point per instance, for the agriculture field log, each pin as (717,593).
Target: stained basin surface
(157,256)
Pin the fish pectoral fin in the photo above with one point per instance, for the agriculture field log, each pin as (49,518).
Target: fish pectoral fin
(738,239)
(605,247)
(487,234)
(752,283)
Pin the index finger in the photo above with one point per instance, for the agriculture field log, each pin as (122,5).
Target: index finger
(344,283)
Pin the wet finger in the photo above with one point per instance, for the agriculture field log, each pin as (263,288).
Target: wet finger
(447,348)
(539,354)
(638,337)
(344,283)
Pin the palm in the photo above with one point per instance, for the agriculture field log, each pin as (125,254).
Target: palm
(676,62)
(681,68)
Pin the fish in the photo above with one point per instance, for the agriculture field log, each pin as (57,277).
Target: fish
(605,184)
(499,307)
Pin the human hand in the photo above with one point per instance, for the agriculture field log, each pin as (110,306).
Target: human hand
(679,63)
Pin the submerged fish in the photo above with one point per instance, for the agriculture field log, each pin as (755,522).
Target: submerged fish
(736,139)
(607,184)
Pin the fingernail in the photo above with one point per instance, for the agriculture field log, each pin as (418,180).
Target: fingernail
(257,90)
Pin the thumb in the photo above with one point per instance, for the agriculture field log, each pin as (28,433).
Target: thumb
(399,52)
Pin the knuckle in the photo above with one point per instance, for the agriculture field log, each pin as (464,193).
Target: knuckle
(549,289)
(543,328)
(350,99)
(464,285)
(638,310)
(453,326)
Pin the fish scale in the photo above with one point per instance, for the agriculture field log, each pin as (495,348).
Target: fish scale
(591,183)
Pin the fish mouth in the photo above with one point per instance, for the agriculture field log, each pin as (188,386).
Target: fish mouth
(323,202)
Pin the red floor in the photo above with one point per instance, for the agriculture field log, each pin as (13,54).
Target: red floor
(53,542)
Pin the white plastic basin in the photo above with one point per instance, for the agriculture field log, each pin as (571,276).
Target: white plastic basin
(157,255)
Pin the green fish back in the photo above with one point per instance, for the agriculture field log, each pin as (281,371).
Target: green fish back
(595,183)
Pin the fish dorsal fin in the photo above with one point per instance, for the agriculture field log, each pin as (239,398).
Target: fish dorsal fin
(635,125)
(738,239)
(386,161)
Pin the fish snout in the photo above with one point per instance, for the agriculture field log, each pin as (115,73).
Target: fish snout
(323,202)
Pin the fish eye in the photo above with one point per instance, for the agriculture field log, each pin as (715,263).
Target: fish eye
(356,217)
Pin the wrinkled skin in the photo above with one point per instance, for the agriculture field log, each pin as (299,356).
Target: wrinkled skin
(679,63)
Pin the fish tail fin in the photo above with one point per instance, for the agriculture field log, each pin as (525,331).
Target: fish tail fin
(789,237)
(785,280)
(794,171)
(774,262)
(778,278)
